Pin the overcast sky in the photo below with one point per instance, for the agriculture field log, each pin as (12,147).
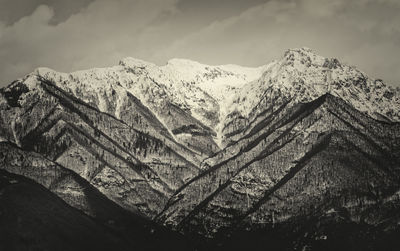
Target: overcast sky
(69,35)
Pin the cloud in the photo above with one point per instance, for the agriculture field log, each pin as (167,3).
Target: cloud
(13,10)
(365,33)
(99,35)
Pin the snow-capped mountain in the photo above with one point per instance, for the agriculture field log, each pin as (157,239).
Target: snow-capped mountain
(215,95)
(296,146)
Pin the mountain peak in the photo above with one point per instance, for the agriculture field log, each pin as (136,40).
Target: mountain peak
(302,57)
(131,62)
(40,71)
(300,50)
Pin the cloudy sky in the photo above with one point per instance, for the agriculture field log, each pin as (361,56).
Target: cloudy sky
(68,35)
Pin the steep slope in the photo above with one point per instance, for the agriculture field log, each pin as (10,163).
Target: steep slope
(181,93)
(302,75)
(118,158)
(296,160)
(129,130)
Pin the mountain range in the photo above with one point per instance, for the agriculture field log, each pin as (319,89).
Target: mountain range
(302,153)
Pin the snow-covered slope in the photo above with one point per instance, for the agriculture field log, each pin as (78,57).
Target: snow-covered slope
(305,76)
(218,81)
(196,87)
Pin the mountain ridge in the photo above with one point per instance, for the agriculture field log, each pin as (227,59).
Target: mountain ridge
(192,86)
(211,151)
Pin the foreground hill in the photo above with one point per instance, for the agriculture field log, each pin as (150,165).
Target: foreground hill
(32,218)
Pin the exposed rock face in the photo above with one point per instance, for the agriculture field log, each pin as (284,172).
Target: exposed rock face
(211,150)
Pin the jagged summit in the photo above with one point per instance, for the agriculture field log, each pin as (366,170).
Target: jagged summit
(304,75)
(131,62)
(216,96)
(302,57)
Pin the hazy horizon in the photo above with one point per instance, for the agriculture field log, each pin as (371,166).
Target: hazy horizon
(76,35)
